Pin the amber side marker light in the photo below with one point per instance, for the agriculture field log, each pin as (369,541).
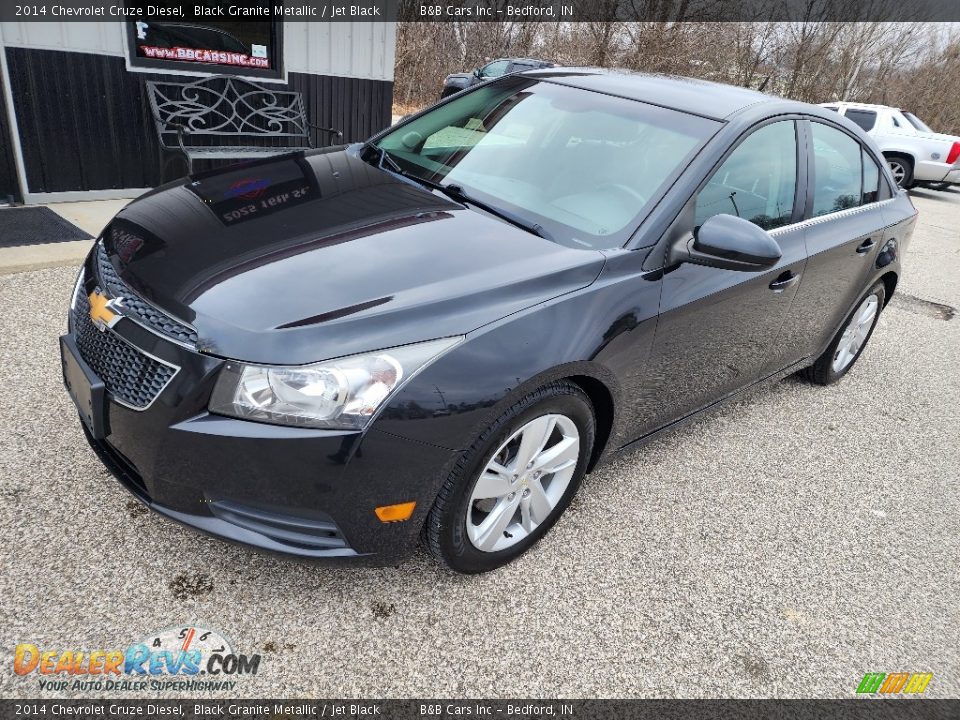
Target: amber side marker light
(396,513)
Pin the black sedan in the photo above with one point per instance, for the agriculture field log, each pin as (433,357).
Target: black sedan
(497,68)
(435,334)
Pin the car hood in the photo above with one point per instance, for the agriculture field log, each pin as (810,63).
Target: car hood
(459,76)
(316,255)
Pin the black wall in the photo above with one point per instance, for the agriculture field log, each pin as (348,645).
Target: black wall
(85,121)
(8,170)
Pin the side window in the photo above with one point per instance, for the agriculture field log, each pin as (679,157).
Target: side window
(494,69)
(757,182)
(871,180)
(837,175)
(864,118)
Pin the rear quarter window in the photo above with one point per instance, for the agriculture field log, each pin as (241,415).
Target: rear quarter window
(871,180)
(867,119)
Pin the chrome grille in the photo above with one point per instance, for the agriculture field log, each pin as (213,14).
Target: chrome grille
(133,378)
(137,309)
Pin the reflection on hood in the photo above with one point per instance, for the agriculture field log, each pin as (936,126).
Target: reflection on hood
(292,204)
(252,191)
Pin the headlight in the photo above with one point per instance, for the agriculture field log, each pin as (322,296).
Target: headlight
(343,393)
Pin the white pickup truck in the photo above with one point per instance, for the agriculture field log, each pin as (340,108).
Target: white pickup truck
(916,154)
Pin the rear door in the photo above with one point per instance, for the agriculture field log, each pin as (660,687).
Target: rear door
(716,326)
(844,233)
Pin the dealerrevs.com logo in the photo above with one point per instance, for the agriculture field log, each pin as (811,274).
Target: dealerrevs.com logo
(894,683)
(188,658)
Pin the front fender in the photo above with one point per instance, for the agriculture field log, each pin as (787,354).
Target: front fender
(603,332)
(452,401)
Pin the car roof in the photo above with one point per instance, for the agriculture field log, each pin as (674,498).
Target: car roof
(521,59)
(865,106)
(699,97)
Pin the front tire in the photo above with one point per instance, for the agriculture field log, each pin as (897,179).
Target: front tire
(850,341)
(512,485)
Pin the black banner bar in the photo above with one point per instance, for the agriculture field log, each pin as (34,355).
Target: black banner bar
(665,11)
(854,709)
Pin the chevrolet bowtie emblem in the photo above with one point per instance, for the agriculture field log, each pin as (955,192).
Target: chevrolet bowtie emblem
(102,310)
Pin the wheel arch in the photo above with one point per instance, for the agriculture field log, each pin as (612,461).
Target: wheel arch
(596,381)
(603,410)
(889,280)
(901,153)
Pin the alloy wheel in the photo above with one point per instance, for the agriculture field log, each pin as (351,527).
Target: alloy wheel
(856,333)
(899,171)
(523,482)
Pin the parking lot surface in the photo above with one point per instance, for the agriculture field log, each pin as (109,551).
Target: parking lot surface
(783,546)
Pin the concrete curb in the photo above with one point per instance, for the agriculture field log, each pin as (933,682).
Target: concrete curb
(36,257)
(91,217)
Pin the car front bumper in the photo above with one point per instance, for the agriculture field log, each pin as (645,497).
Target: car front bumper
(304,492)
(297,496)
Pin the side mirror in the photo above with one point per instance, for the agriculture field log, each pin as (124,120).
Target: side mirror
(476,73)
(730,243)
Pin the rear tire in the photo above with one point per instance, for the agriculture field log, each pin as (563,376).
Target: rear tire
(851,339)
(902,168)
(532,497)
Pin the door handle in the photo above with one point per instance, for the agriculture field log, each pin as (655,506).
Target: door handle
(866,246)
(784,280)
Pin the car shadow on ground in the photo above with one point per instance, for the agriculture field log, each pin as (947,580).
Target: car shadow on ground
(931,194)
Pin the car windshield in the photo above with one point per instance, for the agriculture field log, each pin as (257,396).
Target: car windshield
(581,165)
(917,122)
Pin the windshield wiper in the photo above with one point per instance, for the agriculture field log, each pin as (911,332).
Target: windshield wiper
(455,192)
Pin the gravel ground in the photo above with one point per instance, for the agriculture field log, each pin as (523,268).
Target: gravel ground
(781,547)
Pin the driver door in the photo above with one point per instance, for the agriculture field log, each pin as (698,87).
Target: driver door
(715,325)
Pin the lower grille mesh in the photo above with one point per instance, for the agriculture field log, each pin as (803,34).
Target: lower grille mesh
(301,532)
(130,376)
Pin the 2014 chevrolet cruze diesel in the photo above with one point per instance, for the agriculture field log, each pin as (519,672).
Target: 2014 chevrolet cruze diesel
(435,334)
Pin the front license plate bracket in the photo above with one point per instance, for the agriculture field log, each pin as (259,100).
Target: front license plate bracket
(85,389)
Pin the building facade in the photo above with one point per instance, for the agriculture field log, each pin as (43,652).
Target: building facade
(75,122)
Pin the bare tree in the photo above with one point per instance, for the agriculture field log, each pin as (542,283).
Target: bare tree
(915,65)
